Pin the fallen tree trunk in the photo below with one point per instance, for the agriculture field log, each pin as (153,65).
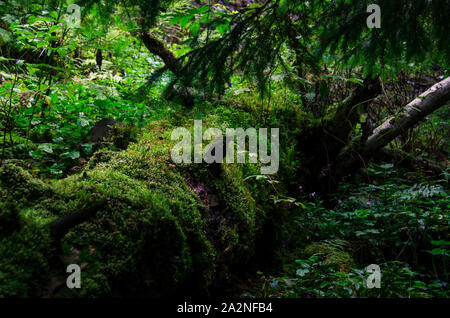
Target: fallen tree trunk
(164,230)
(352,158)
(434,98)
(349,110)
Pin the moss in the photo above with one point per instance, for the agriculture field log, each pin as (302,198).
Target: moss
(24,260)
(122,135)
(241,213)
(153,238)
(156,223)
(137,252)
(332,252)
(92,283)
(20,185)
(101,156)
(25,244)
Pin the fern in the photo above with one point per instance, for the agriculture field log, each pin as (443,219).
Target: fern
(422,190)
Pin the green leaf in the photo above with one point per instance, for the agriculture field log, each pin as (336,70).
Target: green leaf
(175,20)
(83,122)
(32,19)
(195,29)
(75,154)
(185,20)
(87,148)
(199,10)
(54,28)
(302,272)
(53,14)
(32,70)
(223,28)
(46,148)
(282,9)
(440,242)
(35,154)
(4,36)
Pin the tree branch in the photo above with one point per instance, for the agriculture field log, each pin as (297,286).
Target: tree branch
(64,224)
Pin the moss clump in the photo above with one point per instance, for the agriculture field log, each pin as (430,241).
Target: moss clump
(101,156)
(20,185)
(122,135)
(332,252)
(241,214)
(25,244)
(150,239)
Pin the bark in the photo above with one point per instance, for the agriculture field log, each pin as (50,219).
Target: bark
(348,112)
(180,95)
(322,143)
(158,48)
(99,59)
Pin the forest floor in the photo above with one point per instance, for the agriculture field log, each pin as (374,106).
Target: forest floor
(213,230)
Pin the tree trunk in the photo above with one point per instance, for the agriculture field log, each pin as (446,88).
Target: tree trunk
(434,98)
(353,158)
(158,48)
(180,95)
(348,112)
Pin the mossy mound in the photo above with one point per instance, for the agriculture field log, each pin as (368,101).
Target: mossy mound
(154,237)
(150,237)
(19,185)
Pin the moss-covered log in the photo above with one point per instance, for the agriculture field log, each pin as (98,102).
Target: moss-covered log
(165,229)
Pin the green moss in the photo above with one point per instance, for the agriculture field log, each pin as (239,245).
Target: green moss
(20,185)
(101,156)
(24,261)
(25,245)
(153,238)
(241,213)
(122,135)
